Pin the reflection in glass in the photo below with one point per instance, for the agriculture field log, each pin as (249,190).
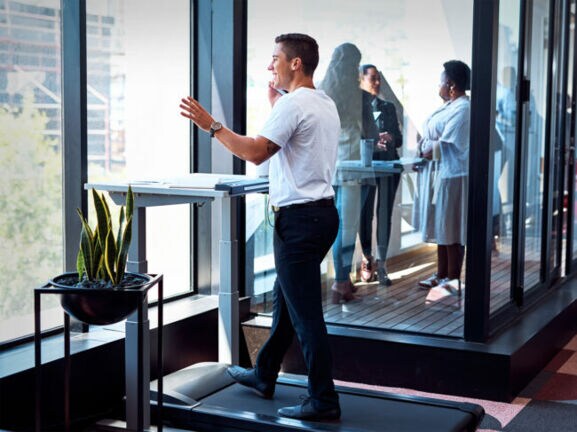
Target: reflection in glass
(408,48)
(535,141)
(133,131)
(341,83)
(30,162)
(390,139)
(571,117)
(503,146)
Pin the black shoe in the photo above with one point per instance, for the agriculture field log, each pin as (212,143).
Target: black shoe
(384,277)
(248,378)
(306,411)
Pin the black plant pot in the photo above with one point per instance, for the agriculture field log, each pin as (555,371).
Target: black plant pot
(100,305)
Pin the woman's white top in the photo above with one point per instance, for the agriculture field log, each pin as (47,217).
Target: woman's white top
(447,130)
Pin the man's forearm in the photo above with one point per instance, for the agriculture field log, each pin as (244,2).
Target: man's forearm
(255,150)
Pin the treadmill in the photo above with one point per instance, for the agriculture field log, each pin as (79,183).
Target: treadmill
(203,397)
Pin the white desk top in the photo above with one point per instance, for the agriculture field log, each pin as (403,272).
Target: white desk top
(191,185)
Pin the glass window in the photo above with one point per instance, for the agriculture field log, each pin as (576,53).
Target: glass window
(408,42)
(534,139)
(138,69)
(504,152)
(30,162)
(571,118)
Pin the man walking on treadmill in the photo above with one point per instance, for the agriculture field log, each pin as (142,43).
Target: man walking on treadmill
(301,137)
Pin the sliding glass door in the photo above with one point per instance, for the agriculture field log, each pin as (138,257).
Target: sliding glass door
(531,126)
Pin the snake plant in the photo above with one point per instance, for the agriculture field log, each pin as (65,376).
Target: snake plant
(102,254)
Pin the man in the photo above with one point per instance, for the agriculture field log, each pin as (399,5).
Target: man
(390,138)
(302,134)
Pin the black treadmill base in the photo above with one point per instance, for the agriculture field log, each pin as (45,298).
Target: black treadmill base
(237,408)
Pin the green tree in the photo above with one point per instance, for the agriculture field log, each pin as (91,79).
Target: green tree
(30,207)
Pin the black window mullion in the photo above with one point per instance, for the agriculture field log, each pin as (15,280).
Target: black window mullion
(571,164)
(563,45)
(477,295)
(74,124)
(548,192)
(522,93)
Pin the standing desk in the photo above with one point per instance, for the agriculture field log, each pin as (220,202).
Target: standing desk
(196,189)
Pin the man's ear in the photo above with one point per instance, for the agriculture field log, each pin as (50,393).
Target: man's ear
(296,63)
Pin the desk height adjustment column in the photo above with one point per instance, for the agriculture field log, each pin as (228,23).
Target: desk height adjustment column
(228,298)
(137,262)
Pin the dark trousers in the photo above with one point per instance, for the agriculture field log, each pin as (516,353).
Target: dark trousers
(387,190)
(302,238)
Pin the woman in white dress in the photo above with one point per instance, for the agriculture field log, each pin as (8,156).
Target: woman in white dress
(444,180)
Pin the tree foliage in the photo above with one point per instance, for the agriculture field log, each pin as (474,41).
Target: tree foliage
(30,206)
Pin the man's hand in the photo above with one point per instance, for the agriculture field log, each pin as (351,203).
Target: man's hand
(194,111)
(255,150)
(385,138)
(427,154)
(274,94)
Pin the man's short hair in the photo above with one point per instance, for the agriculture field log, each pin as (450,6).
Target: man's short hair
(302,46)
(364,69)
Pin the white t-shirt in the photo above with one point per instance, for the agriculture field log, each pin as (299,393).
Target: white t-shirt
(305,124)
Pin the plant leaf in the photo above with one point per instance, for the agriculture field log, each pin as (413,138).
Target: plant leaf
(123,250)
(107,210)
(110,257)
(84,222)
(80,269)
(98,260)
(86,250)
(121,221)
(129,203)
(102,217)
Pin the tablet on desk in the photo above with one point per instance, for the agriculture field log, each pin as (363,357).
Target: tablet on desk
(231,183)
(240,186)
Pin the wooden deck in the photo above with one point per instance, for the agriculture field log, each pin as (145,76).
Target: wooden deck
(406,307)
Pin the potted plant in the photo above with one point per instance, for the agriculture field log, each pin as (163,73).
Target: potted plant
(101,262)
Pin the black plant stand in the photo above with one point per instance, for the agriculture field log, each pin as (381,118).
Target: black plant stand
(137,361)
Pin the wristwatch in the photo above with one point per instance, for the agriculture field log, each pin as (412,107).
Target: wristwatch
(215,126)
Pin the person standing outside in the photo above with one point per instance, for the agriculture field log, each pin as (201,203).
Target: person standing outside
(390,139)
(300,137)
(445,142)
(341,84)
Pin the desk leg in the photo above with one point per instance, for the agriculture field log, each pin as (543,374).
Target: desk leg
(228,297)
(137,253)
(137,373)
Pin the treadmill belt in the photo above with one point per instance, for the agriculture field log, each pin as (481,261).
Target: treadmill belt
(362,411)
(203,397)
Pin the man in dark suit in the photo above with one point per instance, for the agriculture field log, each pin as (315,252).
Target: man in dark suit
(390,138)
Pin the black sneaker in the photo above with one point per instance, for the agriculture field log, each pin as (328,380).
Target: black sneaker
(383,277)
(306,411)
(249,378)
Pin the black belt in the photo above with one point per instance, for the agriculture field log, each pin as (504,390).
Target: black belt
(325,202)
